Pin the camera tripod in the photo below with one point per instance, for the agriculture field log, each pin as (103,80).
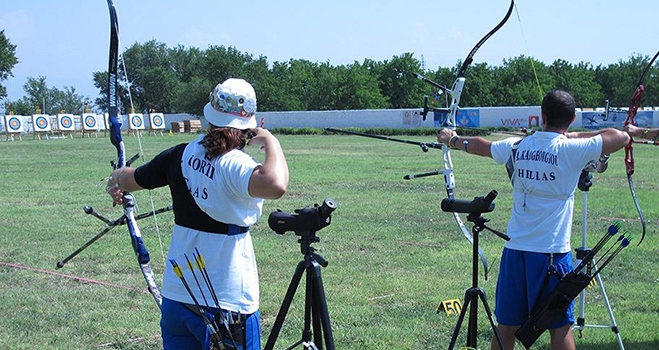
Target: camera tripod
(316,314)
(584,185)
(475,292)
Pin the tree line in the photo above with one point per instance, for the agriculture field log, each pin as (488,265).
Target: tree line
(179,79)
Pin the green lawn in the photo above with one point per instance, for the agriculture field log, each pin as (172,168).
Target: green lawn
(393,254)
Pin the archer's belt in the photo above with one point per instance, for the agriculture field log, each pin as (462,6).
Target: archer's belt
(211,226)
(231,316)
(230,229)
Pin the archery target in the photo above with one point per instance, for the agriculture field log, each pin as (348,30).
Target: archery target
(407,120)
(136,121)
(65,122)
(14,123)
(157,120)
(89,121)
(41,122)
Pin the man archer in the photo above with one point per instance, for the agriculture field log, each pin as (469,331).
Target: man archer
(544,170)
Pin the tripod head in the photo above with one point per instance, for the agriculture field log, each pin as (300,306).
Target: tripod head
(585,181)
(475,208)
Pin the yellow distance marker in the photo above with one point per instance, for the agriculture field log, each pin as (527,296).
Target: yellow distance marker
(450,306)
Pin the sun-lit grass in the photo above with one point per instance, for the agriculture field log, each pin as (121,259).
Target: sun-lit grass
(393,254)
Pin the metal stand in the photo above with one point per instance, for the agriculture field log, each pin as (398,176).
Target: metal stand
(315,306)
(584,186)
(475,292)
(122,220)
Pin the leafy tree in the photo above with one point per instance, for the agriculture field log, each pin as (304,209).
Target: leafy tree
(192,96)
(101,102)
(295,83)
(186,63)
(221,63)
(321,91)
(258,74)
(179,79)
(274,96)
(39,95)
(619,81)
(481,87)
(396,83)
(517,84)
(20,107)
(69,100)
(579,80)
(7,61)
(358,89)
(151,77)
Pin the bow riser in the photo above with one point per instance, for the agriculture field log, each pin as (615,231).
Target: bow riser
(456,94)
(449,177)
(634,104)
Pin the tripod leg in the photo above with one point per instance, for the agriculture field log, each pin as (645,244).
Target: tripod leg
(581,320)
(285,305)
(311,312)
(581,251)
(614,325)
(490,318)
(321,313)
(456,330)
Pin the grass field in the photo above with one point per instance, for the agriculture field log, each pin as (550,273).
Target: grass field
(393,254)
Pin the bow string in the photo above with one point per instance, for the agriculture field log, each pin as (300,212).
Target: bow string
(634,104)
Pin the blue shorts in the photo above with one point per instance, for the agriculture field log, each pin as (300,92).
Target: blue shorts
(521,280)
(183,329)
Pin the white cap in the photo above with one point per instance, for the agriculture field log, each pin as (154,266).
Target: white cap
(232,104)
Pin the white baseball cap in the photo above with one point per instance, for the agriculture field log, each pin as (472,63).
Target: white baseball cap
(232,104)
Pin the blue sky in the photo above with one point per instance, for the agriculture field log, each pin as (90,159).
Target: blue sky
(67,40)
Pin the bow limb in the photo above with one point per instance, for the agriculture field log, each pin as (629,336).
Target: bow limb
(456,94)
(458,85)
(634,104)
(470,56)
(115,138)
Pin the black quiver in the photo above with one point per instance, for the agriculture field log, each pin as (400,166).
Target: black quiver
(546,311)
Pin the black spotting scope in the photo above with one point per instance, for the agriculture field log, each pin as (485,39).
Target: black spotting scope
(483,204)
(304,220)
